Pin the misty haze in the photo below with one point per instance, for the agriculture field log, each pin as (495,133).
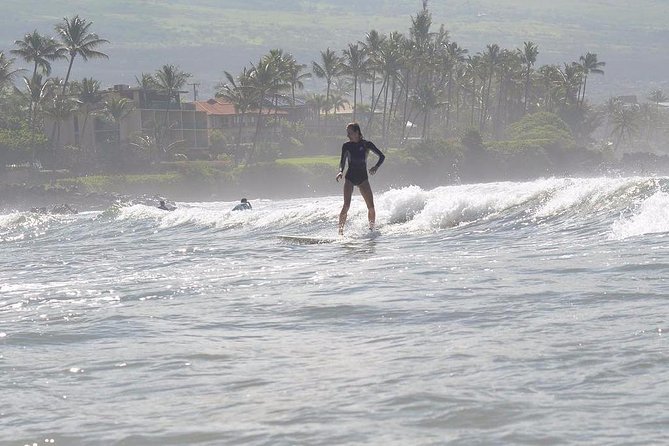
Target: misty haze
(333,222)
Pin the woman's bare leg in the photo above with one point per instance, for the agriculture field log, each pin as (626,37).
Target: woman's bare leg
(366,192)
(348,191)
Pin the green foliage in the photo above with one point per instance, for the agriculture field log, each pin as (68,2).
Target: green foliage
(13,109)
(16,145)
(293,135)
(198,169)
(428,151)
(296,176)
(540,137)
(541,125)
(120,183)
(307,161)
(528,147)
(219,141)
(472,140)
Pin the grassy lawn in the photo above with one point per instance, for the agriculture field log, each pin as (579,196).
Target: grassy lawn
(309,161)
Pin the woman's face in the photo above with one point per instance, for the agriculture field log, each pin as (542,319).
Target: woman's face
(352,134)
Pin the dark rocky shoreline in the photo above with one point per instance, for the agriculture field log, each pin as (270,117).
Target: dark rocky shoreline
(21,197)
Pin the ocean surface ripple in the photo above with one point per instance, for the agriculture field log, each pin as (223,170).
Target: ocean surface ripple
(501,313)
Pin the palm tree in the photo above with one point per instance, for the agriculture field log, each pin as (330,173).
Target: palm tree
(88,93)
(262,79)
(78,41)
(38,92)
(169,80)
(372,46)
(296,77)
(427,98)
(149,144)
(420,29)
(549,79)
(473,69)
(389,64)
(528,56)
(509,74)
(589,64)
(318,103)
(115,109)
(647,120)
(146,83)
(60,108)
(242,96)
(455,57)
(568,82)
(39,50)
(280,63)
(491,57)
(330,67)
(411,60)
(356,65)
(657,96)
(400,49)
(6,72)
(609,109)
(625,125)
(337,102)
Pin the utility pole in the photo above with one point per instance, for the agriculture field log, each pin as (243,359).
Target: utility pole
(195,84)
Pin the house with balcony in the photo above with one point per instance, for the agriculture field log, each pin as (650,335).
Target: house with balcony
(188,124)
(222,116)
(152,112)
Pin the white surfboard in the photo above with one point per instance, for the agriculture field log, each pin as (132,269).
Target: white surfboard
(307,239)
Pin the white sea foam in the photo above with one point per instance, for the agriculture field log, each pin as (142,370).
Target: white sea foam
(652,216)
(450,324)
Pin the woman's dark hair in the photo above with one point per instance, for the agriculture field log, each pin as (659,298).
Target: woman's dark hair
(355,127)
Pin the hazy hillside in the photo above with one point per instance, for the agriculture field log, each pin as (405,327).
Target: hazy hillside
(205,38)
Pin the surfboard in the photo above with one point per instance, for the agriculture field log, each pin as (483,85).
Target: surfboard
(307,239)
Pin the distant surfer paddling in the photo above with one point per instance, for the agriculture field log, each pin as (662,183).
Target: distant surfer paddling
(244,205)
(164,206)
(355,152)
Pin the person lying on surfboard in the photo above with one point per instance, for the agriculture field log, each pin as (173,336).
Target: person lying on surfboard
(355,152)
(244,205)
(165,207)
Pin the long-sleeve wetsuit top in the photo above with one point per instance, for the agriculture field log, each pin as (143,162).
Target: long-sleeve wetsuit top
(356,154)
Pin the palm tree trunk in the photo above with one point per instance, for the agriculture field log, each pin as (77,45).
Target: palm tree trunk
(527,89)
(327,99)
(450,99)
(355,94)
(239,139)
(471,121)
(32,131)
(406,102)
(375,103)
(255,136)
(585,79)
(67,76)
(425,123)
(373,87)
(385,109)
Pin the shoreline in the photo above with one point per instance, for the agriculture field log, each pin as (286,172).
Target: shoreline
(255,182)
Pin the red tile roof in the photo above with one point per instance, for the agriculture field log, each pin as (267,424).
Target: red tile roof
(224,108)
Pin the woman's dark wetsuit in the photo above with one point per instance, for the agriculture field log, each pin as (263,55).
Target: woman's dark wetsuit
(356,153)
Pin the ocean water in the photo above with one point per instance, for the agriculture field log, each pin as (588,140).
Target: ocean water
(485,314)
